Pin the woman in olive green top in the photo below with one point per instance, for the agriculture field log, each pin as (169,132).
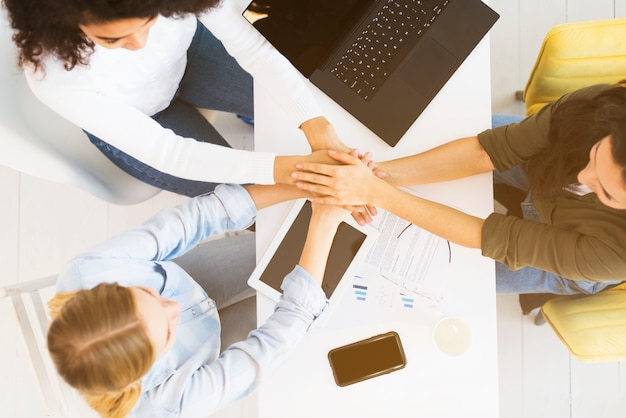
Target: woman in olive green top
(570,157)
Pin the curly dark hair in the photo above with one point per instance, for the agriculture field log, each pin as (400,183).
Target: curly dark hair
(50,27)
(575,127)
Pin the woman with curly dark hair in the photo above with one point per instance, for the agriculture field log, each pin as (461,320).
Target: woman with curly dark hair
(569,160)
(132,73)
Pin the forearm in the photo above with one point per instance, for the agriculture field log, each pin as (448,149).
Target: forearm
(456,159)
(321,135)
(284,165)
(268,195)
(317,246)
(441,220)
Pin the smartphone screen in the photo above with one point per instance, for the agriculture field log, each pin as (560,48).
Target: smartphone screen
(368,358)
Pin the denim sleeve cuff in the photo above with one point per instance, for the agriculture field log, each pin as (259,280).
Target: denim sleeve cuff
(238,204)
(300,288)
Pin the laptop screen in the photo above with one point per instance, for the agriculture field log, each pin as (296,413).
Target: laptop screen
(306,31)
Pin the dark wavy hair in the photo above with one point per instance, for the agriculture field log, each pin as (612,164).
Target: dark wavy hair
(50,27)
(576,126)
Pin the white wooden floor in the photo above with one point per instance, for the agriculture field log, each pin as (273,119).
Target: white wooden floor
(43,224)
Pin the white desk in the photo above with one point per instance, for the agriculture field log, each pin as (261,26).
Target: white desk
(432,384)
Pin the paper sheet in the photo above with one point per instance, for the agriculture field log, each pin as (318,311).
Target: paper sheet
(407,265)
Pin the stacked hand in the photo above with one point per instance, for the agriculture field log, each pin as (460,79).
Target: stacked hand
(349,182)
(322,137)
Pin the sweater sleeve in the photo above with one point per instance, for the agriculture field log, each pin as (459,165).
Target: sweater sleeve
(131,258)
(511,145)
(138,135)
(242,366)
(519,243)
(266,65)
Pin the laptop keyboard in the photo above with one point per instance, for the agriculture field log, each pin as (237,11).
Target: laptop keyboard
(379,48)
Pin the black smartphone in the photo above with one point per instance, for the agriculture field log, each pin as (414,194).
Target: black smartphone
(367,358)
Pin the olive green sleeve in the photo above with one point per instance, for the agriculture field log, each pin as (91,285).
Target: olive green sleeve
(511,145)
(519,243)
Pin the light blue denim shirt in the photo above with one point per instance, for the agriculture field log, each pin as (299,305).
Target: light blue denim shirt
(193,379)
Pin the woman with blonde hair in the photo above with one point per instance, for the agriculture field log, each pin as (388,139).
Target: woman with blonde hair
(113,344)
(133,332)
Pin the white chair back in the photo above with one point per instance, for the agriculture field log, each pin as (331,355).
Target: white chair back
(29,300)
(37,141)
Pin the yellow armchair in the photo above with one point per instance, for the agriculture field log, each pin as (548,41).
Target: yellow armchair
(593,327)
(576,55)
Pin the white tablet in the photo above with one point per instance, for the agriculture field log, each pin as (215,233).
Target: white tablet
(349,248)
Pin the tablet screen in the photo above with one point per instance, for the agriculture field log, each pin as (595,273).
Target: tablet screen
(348,241)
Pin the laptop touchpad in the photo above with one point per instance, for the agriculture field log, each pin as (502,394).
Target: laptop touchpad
(428,68)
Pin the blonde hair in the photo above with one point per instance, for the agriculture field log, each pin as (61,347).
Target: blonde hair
(100,346)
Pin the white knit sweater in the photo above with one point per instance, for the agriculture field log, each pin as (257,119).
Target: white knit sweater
(114,96)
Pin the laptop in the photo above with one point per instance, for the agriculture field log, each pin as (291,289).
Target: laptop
(383,61)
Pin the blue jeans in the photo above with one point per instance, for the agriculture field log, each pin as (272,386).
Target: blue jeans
(212,80)
(530,279)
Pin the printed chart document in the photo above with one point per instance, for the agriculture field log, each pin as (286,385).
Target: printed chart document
(406,264)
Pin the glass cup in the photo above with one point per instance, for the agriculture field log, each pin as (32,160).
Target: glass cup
(452,336)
